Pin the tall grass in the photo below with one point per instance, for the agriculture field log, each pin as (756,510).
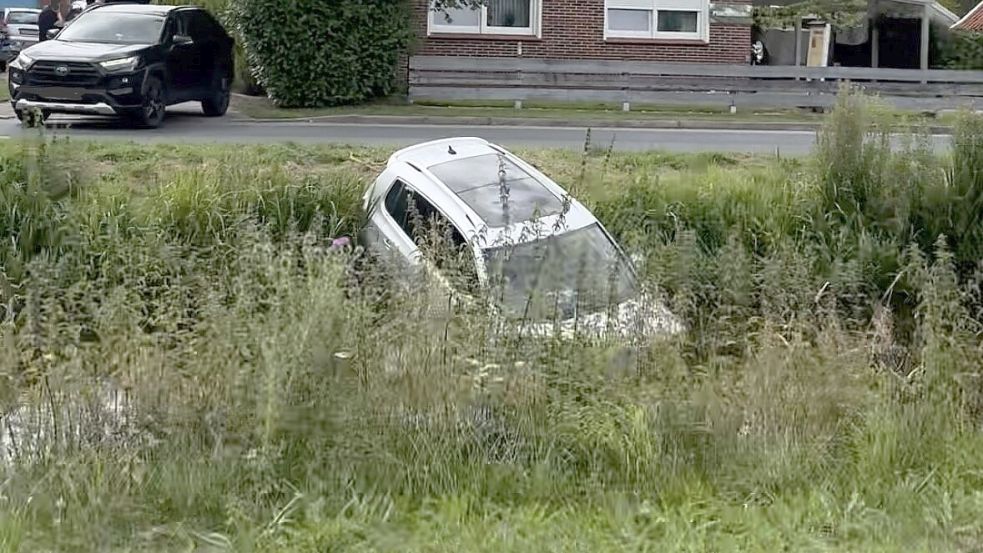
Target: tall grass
(185,365)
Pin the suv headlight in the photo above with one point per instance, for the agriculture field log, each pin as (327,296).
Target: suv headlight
(121,65)
(22,61)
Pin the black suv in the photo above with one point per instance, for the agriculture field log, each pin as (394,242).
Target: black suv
(126,59)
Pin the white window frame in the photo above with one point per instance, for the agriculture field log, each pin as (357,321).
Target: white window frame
(701,7)
(534,28)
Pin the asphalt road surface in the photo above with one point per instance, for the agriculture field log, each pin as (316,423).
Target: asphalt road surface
(184,125)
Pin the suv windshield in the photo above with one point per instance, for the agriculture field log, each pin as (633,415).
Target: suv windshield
(580,271)
(114,28)
(22,18)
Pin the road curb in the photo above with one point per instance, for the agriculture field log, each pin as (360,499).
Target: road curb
(688,124)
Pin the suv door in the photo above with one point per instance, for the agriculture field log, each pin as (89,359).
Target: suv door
(212,42)
(200,29)
(183,60)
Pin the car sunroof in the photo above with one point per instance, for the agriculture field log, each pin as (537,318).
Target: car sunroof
(476,181)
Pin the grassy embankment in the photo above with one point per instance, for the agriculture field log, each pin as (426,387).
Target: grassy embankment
(827,396)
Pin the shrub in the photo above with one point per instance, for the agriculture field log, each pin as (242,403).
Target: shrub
(308,53)
(963,50)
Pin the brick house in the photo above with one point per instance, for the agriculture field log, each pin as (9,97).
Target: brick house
(972,21)
(685,31)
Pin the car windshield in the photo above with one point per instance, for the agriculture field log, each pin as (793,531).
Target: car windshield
(22,18)
(559,276)
(114,28)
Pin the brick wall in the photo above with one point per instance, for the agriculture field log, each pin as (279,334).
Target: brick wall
(575,29)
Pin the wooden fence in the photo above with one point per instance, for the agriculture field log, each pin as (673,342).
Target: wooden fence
(644,83)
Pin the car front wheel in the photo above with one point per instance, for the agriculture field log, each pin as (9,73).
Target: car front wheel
(218,103)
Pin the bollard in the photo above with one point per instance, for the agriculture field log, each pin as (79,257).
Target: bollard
(625,106)
(518,104)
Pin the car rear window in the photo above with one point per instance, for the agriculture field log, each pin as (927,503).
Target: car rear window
(22,18)
(477,181)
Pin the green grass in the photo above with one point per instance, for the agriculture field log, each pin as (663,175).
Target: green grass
(824,398)
(4,92)
(263,108)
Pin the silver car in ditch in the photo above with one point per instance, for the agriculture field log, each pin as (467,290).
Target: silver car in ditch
(541,256)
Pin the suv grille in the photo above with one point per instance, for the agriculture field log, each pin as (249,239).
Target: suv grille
(54,73)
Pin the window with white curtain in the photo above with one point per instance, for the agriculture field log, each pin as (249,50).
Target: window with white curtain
(493,17)
(672,19)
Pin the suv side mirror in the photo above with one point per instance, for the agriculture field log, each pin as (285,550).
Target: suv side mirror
(182,40)
(52,33)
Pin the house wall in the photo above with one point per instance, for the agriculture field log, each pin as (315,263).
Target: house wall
(574,29)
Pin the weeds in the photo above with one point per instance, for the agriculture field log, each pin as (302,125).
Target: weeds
(185,364)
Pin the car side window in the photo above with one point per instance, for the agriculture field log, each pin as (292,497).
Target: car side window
(177,25)
(201,27)
(424,224)
(411,211)
(170,29)
(212,26)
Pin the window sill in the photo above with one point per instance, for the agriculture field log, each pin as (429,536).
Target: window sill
(480,36)
(659,41)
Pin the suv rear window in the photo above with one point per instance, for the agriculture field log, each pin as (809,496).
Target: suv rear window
(22,18)
(114,28)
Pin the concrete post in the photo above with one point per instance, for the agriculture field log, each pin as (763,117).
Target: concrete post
(875,44)
(926,26)
(798,41)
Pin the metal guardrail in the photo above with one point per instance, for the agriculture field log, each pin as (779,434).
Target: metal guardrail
(629,82)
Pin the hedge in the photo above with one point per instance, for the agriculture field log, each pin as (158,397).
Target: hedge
(310,53)
(963,50)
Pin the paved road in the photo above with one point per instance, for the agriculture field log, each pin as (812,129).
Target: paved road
(184,125)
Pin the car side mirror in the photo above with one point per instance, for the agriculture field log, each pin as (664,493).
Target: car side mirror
(52,33)
(182,40)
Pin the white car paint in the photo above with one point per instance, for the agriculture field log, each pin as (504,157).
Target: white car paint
(640,316)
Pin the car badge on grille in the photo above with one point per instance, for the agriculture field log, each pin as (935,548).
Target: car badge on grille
(61,70)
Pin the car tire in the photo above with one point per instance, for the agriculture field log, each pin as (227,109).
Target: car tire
(151,114)
(218,104)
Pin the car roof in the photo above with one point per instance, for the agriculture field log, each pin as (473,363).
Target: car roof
(462,176)
(31,10)
(126,7)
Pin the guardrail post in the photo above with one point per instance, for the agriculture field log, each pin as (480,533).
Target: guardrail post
(518,79)
(626,91)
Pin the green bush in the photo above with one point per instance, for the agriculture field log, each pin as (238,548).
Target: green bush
(309,53)
(963,50)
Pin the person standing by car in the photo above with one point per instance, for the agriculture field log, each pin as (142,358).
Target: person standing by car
(49,18)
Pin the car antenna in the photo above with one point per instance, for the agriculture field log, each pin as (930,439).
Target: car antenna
(450,150)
